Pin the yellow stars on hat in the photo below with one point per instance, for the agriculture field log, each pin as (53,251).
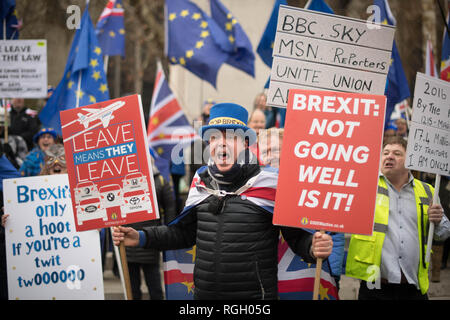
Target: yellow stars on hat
(231,38)
(112,34)
(184,13)
(172,16)
(98,50)
(122,31)
(92,99)
(196,16)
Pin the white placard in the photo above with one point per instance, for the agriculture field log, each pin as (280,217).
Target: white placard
(315,50)
(23,68)
(46,257)
(429,135)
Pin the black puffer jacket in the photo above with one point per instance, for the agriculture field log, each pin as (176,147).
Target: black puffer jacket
(236,255)
(167,211)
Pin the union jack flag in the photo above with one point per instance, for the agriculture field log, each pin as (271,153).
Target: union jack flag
(110,29)
(178,273)
(168,128)
(296,277)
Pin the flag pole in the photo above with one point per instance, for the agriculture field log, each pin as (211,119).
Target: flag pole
(318,274)
(78,89)
(105,64)
(432,225)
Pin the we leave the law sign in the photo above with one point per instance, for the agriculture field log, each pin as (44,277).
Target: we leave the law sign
(330,160)
(108,162)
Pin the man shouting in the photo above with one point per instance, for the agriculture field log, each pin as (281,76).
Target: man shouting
(228,215)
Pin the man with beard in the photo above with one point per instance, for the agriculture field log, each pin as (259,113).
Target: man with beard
(228,216)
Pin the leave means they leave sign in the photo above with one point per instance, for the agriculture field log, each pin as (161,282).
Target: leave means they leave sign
(108,162)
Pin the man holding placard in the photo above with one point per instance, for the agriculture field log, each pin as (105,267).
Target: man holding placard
(394,255)
(228,215)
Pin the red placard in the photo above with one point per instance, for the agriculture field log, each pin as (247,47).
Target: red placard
(108,163)
(330,160)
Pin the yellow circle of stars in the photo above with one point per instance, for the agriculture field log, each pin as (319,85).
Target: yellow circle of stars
(203,34)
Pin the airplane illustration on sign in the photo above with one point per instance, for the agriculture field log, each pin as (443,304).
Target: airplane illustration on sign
(104,115)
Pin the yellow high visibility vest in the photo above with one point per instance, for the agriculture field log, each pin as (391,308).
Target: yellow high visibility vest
(365,251)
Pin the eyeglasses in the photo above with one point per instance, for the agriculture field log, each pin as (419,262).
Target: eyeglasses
(55,159)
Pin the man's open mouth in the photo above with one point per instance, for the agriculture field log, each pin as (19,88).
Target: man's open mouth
(388,164)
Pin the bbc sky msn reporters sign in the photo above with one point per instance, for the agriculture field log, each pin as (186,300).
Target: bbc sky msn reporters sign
(330,160)
(318,51)
(429,135)
(108,163)
(23,68)
(46,258)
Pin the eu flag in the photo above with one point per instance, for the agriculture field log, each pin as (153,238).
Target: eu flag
(189,40)
(110,29)
(319,5)
(265,46)
(83,80)
(8,15)
(241,53)
(178,273)
(397,88)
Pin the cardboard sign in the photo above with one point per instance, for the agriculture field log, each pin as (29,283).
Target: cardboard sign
(108,162)
(429,135)
(46,257)
(330,160)
(23,68)
(318,51)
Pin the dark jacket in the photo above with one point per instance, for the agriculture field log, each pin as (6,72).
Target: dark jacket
(166,204)
(236,254)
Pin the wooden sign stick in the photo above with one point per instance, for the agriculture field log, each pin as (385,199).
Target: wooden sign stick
(431,230)
(317,277)
(126,273)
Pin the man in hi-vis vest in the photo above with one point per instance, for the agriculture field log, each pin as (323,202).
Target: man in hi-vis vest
(391,262)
